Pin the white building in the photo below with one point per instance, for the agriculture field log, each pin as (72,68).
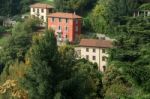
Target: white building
(8,22)
(94,50)
(143,13)
(41,11)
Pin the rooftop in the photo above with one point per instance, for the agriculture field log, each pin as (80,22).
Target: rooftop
(41,5)
(96,43)
(65,15)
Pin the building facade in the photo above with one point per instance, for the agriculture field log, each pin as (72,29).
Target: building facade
(144,13)
(67,26)
(94,50)
(41,11)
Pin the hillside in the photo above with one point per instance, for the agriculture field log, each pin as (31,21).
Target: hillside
(33,66)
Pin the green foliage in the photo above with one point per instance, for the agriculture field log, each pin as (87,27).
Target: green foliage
(16,46)
(40,80)
(13,7)
(57,74)
(79,6)
(145,6)
(131,53)
(107,13)
(2,30)
(84,82)
(116,84)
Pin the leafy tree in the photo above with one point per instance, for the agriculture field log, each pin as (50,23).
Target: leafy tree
(145,6)
(75,74)
(61,77)
(107,14)
(16,47)
(19,42)
(40,80)
(116,84)
(84,82)
(131,53)
(79,6)
(13,7)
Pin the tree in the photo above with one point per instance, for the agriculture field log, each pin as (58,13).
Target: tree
(84,82)
(59,75)
(131,53)
(79,6)
(19,42)
(79,79)
(107,14)
(15,49)
(116,84)
(40,80)
(14,7)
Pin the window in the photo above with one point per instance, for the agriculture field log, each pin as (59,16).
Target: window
(94,50)
(103,50)
(103,38)
(94,57)
(87,49)
(50,10)
(79,53)
(76,28)
(33,16)
(66,20)
(59,28)
(66,28)
(103,58)
(33,9)
(59,35)
(59,19)
(37,10)
(53,19)
(42,17)
(76,21)
(66,36)
(104,68)
(42,10)
(87,56)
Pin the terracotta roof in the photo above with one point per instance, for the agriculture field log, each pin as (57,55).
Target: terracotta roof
(96,43)
(64,15)
(41,5)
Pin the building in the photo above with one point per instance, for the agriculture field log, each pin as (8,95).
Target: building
(9,22)
(25,16)
(143,10)
(41,11)
(143,13)
(94,50)
(104,37)
(67,26)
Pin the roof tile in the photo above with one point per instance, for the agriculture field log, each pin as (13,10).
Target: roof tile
(96,43)
(64,15)
(41,5)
